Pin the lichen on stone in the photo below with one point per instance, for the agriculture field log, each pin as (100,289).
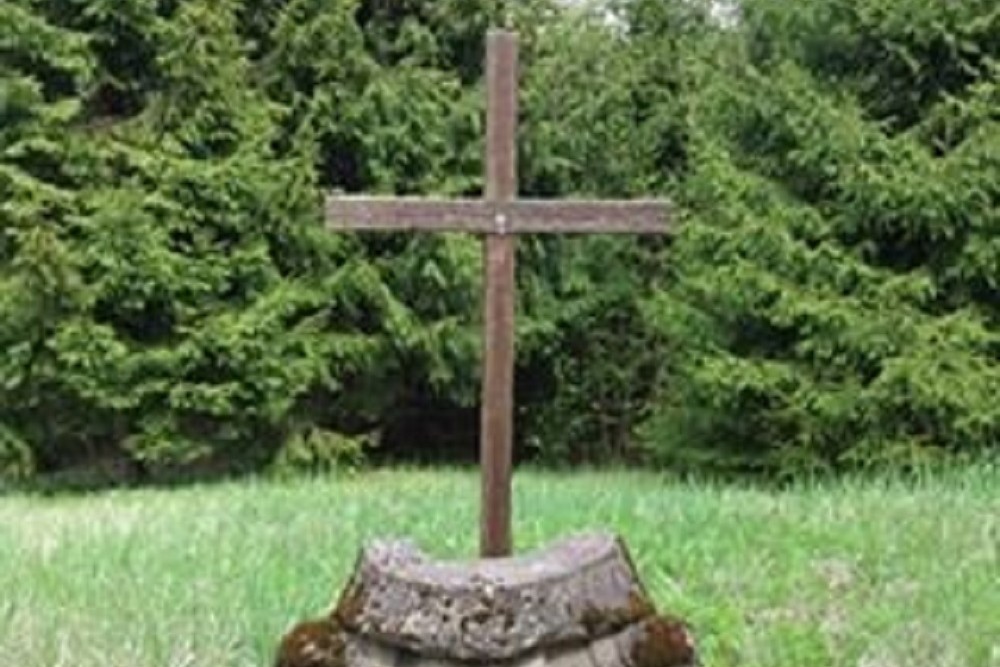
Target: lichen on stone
(664,642)
(599,622)
(318,643)
(349,608)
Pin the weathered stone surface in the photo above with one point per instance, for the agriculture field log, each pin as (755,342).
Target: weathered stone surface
(622,649)
(494,609)
(578,603)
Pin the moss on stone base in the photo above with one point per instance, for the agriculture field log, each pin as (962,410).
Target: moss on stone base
(317,643)
(666,642)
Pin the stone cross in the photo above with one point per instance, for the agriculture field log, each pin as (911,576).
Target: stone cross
(499,216)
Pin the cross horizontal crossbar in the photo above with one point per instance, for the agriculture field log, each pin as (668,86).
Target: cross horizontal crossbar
(521,216)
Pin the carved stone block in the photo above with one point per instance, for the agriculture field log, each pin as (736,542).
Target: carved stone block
(578,602)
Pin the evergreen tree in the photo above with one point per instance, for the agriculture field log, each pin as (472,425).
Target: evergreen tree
(168,295)
(837,284)
(601,118)
(207,262)
(44,73)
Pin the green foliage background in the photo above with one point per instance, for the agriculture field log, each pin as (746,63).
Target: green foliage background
(837,289)
(169,301)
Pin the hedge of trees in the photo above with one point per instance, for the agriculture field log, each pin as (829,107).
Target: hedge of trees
(169,299)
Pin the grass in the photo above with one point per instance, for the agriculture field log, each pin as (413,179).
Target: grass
(866,574)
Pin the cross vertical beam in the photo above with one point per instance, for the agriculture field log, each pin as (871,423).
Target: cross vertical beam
(497,418)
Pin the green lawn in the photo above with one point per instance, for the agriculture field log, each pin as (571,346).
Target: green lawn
(863,574)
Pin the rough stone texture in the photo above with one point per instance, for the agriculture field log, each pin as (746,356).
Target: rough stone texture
(493,609)
(615,650)
(578,603)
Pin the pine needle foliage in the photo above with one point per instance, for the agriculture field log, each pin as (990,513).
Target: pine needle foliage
(836,290)
(170,301)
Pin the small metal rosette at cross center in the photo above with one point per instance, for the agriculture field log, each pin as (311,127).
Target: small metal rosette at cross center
(577,603)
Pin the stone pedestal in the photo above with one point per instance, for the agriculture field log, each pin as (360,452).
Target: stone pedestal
(577,603)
